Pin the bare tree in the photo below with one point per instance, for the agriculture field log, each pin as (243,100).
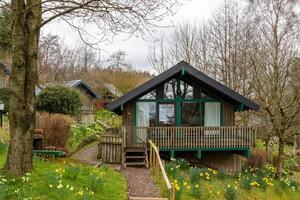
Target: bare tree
(117,60)
(29,16)
(275,30)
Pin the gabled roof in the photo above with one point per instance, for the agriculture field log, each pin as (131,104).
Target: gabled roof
(113,89)
(193,75)
(81,83)
(4,68)
(72,84)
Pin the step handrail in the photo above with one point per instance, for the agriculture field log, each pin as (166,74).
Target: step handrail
(154,159)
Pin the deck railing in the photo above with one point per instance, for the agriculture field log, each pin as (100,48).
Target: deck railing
(219,137)
(158,169)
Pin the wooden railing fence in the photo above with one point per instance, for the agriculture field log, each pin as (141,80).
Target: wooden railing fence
(158,169)
(195,137)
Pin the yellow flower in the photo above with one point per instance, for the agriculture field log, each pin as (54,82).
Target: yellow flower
(201,174)
(188,187)
(80,193)
(196,185)
(185,183)
(218,193)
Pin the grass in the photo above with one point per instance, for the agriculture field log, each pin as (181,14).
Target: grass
(195,183)
(63,179)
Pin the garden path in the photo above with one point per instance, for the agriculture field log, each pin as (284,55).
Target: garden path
(88,154)
(140,183)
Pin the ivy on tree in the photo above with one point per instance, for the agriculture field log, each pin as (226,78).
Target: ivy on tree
(59,99)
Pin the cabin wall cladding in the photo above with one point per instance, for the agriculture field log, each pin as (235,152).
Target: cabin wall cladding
(228,114)
(128,119)
(223,161)
(111,148)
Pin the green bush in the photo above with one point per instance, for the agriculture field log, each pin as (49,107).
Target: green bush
(4,97)
(59,99)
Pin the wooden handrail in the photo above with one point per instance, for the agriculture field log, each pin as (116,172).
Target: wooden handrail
(154,159)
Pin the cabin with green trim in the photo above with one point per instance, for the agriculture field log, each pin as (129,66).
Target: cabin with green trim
(184,110)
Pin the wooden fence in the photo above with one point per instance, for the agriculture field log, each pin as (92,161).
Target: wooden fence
(158,169)
(111,148)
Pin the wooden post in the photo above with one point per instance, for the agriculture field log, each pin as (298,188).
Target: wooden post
(172,192)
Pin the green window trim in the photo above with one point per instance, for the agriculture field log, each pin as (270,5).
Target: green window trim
(178,102)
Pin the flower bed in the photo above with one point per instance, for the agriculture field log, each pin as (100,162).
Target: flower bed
(206,183)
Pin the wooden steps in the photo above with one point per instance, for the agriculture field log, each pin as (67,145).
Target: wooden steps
(135,156)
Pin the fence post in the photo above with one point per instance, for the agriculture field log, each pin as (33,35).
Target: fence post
(172,192)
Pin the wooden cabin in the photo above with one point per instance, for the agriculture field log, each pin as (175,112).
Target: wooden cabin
(184,110)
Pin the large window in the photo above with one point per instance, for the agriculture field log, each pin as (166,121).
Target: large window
(170,89)
(146,114)
(190,114)
(186,91)
(150,95)
(212,113)
(167,114)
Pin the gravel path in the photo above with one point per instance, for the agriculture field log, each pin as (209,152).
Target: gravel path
(140,183)
(88,154)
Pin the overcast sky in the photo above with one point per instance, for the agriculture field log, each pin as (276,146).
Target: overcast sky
(193,11)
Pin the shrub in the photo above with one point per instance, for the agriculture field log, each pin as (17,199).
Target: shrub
(258,159)
(230,193)
(4,97)
(59,99)
(57,128)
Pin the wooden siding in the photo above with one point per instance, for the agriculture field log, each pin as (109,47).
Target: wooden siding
(229,116)
(111,148)
(128,119)
(223,161)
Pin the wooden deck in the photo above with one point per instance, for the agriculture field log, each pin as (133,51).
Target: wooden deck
(193,138)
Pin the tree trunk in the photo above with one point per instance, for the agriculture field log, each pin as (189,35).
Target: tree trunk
(280,158)
(22,84)
(295,146)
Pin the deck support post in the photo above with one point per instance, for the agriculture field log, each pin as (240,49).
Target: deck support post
(199,154)
(172,154)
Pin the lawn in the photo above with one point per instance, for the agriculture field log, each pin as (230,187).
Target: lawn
(195,183)
(63,179)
